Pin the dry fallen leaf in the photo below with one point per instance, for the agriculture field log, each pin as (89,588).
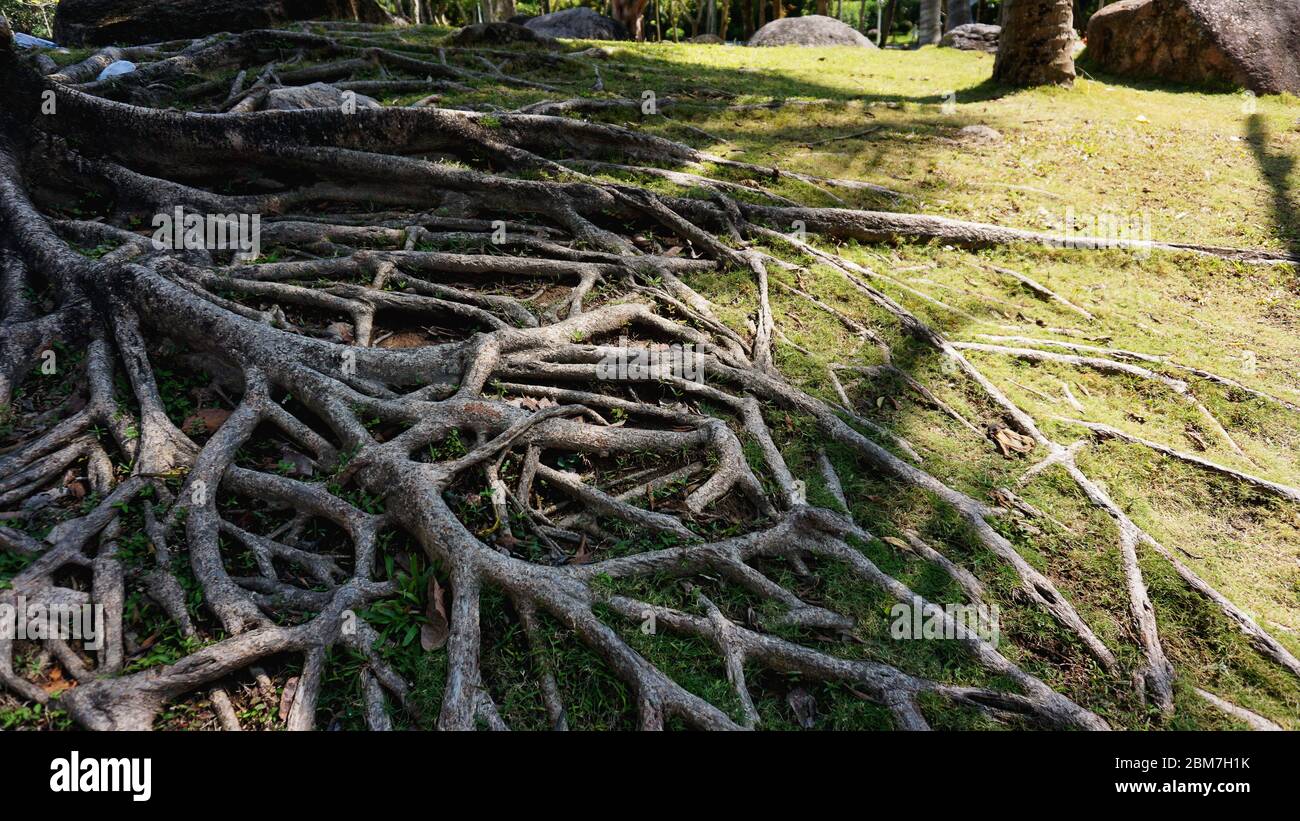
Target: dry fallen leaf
(434,634)
(1009,441)
(531,403)
(1002,498)
(341,331)
(57,683)
(404,339)
(286,697)
(896,542)
(1197,439)
(582,555)
(804,707)
(74,485)
(205,420)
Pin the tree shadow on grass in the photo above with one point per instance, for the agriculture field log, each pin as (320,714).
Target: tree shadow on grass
(1276,168)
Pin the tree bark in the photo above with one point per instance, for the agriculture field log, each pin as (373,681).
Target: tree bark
(631,13)
(958,14)
(887,27)
(1036,46)
(930,28)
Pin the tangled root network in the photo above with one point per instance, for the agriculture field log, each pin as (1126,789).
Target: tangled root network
(425,414)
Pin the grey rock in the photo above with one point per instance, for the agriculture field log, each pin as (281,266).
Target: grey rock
(498,34)
(316,95)
(1244,42)
(979,134)
(578,24)
(809,30)
(973,37)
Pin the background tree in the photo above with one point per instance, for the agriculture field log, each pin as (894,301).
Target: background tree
(1036,46)
(929,28)
(30,16)
(891,12)
(958,14)
(630,13)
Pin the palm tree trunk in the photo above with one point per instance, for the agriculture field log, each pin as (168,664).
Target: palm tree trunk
(930,28)
(958,14)
(1036,44)
(887,27)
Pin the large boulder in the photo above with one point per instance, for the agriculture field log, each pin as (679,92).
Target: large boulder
(809,30)
(973,37)
(132,22)
(579,23)
(498,34)
(316,95)
(1245,42)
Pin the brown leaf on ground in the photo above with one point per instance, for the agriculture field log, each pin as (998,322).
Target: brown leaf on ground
(341,331)
(433,636)
(896,542)
(403,339)
(582,555)
(57,683)
(533,404)
(1009,441)
(205,420)
(74,485)
(1002,498)
(286,697)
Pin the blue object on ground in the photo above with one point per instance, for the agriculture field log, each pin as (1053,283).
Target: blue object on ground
(116,69)
(28,41)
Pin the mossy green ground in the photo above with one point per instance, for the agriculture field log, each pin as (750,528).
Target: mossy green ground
(1211,167)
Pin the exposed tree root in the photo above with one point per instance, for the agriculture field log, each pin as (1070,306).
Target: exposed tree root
(422,376)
